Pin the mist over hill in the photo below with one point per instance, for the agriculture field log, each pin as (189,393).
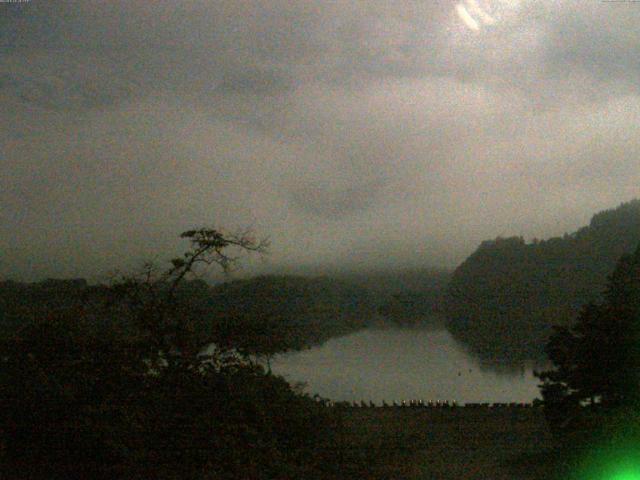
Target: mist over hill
(503,299)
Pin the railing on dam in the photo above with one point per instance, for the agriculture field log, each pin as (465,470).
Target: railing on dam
(430,404)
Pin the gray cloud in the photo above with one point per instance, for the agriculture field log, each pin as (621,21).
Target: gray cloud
(329,201)
(366,132)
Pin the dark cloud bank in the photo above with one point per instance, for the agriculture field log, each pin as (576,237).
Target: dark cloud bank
(365,133)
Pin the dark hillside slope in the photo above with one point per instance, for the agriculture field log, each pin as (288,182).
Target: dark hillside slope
(266,314)
(502,300)
(292,312)
(20,302)
(406,297)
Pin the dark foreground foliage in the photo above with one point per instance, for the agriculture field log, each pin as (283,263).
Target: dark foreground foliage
(117,385)
(79,402)
(592,395)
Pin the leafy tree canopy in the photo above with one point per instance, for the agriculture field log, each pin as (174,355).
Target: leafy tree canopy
(115,386)
(597,359)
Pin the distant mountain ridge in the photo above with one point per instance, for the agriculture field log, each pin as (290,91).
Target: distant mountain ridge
(503,299)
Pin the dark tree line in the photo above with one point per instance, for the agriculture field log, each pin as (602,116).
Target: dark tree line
(260,316)
(119,385)
(592,395)
(270,314)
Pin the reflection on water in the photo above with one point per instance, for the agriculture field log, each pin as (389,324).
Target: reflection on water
(403,364)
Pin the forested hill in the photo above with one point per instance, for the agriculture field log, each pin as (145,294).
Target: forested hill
(406,297)
(269,312)
(20,302)
(502,300)
(265,314)
(296,311)
(288,312)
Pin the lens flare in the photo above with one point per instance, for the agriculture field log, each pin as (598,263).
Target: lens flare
(467,19)
(484,17)
(626,475)
(625,471)
(605,464)
(479,14)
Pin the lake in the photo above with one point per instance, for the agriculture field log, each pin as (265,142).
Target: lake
(402,364)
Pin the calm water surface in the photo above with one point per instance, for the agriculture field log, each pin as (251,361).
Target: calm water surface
(402,364)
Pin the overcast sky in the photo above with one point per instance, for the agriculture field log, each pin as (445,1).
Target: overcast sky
(351,132)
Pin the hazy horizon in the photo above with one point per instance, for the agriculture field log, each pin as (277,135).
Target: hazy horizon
(370,134)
